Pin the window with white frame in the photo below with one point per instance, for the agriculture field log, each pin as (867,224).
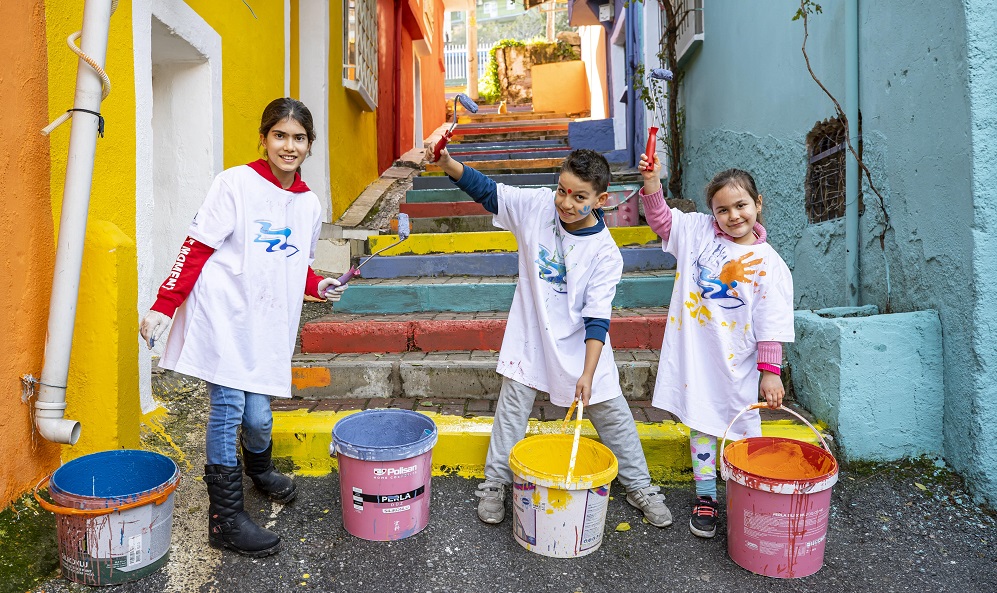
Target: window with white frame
(360,50)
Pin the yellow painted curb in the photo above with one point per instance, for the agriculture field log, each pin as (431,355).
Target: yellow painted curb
(423,243)
(463,442)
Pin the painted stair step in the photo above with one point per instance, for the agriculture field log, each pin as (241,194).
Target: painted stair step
(520,179)
(449,194)
(534,135)
(495,264)
(544,163)
(303,434)
(638,328)
(453,224)
(481,293)
(449,374)
(442,209)
(458,152)
(507,117)
(619,191)
(421,244)
(458,145)
(520,124)
(512,155)
(511,128)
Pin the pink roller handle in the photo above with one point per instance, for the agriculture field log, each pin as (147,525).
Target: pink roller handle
(354,271)
(652,134)
(441,144)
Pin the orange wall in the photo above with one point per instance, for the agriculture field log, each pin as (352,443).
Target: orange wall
(434,108)
(25,209)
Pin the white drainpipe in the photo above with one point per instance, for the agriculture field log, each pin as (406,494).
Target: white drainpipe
(51,403)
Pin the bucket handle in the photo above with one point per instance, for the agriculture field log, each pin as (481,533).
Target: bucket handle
(158,498)
(723,444)
(578,437)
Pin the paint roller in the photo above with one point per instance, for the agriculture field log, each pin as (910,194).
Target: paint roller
(652,132)
(468,105)
(404,229)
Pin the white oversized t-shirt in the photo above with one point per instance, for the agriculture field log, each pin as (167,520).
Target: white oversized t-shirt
(239,324)
(727,298)
(562,278)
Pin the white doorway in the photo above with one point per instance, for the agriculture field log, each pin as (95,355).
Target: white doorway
(417,136)
(179,140)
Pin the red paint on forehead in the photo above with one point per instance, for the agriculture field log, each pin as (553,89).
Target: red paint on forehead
(568,190)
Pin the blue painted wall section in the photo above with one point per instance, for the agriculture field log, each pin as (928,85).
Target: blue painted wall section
(879,381)
(928,100)
(594,134)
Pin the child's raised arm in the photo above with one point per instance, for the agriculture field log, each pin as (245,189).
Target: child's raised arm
(656,211)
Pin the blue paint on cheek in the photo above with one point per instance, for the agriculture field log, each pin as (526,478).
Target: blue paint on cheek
(586,210)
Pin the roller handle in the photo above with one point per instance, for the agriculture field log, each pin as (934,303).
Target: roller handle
(354,271)
(441,144)
(652,134)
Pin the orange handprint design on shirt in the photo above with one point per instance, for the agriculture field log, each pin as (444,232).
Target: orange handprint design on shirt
(739,270)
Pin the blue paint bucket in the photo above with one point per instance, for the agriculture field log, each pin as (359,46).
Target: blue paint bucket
(114,513)
(385,467)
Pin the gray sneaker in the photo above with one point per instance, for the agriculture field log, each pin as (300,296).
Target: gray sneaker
(651,502)
(491,507)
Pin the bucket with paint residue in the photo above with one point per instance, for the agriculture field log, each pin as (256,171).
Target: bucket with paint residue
(385,465)
(778,502)
(551,516)
(114,513)
(622,206)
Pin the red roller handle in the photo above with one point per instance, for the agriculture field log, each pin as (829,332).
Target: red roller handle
(441,144)
(652,134)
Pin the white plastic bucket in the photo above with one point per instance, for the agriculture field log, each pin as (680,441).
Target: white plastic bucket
(552,517)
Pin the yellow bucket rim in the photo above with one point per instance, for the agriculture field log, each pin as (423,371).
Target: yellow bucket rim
(548,442)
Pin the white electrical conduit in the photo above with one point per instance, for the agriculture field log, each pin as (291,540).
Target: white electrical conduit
(92,85)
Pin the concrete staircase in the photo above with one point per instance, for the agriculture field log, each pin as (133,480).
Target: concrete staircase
(422,328)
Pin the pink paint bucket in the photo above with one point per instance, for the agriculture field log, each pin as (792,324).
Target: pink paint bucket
(385,466)
(778,503)
(622,206)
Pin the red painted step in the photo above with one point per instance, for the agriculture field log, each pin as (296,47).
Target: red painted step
(355,333)
(441,209)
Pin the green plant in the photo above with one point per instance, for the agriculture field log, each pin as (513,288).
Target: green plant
(540,52)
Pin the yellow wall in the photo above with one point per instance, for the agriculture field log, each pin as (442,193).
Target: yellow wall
(549,82)
(29,257)
(352,132)
(104,336)
(252,68)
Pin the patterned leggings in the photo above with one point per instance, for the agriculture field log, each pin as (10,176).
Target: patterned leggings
(704,462)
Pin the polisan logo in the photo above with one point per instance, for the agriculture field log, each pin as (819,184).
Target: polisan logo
(394,471)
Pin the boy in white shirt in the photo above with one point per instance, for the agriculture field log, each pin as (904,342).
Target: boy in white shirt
(556,339)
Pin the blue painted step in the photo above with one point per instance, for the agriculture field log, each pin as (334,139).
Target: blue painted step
(499,155)
(635,259)
(464,146)
(635,290)
(518,179)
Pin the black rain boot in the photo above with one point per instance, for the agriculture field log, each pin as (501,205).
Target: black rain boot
(259,467)
(229,526)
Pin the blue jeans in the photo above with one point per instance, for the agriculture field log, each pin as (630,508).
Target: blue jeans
(231,408)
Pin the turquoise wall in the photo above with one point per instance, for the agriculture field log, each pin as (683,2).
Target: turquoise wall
(927,98)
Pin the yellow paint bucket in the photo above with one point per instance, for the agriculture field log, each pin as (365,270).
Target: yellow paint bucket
(551,516)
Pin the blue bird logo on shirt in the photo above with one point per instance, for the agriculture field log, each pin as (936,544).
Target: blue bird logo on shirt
(552,269)
(275,239)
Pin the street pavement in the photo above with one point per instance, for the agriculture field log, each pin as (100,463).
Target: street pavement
(885,535)
(902,527)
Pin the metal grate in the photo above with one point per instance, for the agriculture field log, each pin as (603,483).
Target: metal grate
(825,185)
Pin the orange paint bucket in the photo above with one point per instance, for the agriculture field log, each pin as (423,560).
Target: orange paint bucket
(778,502)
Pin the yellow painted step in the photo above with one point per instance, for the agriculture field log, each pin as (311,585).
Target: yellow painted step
(463,442)
(423,243)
